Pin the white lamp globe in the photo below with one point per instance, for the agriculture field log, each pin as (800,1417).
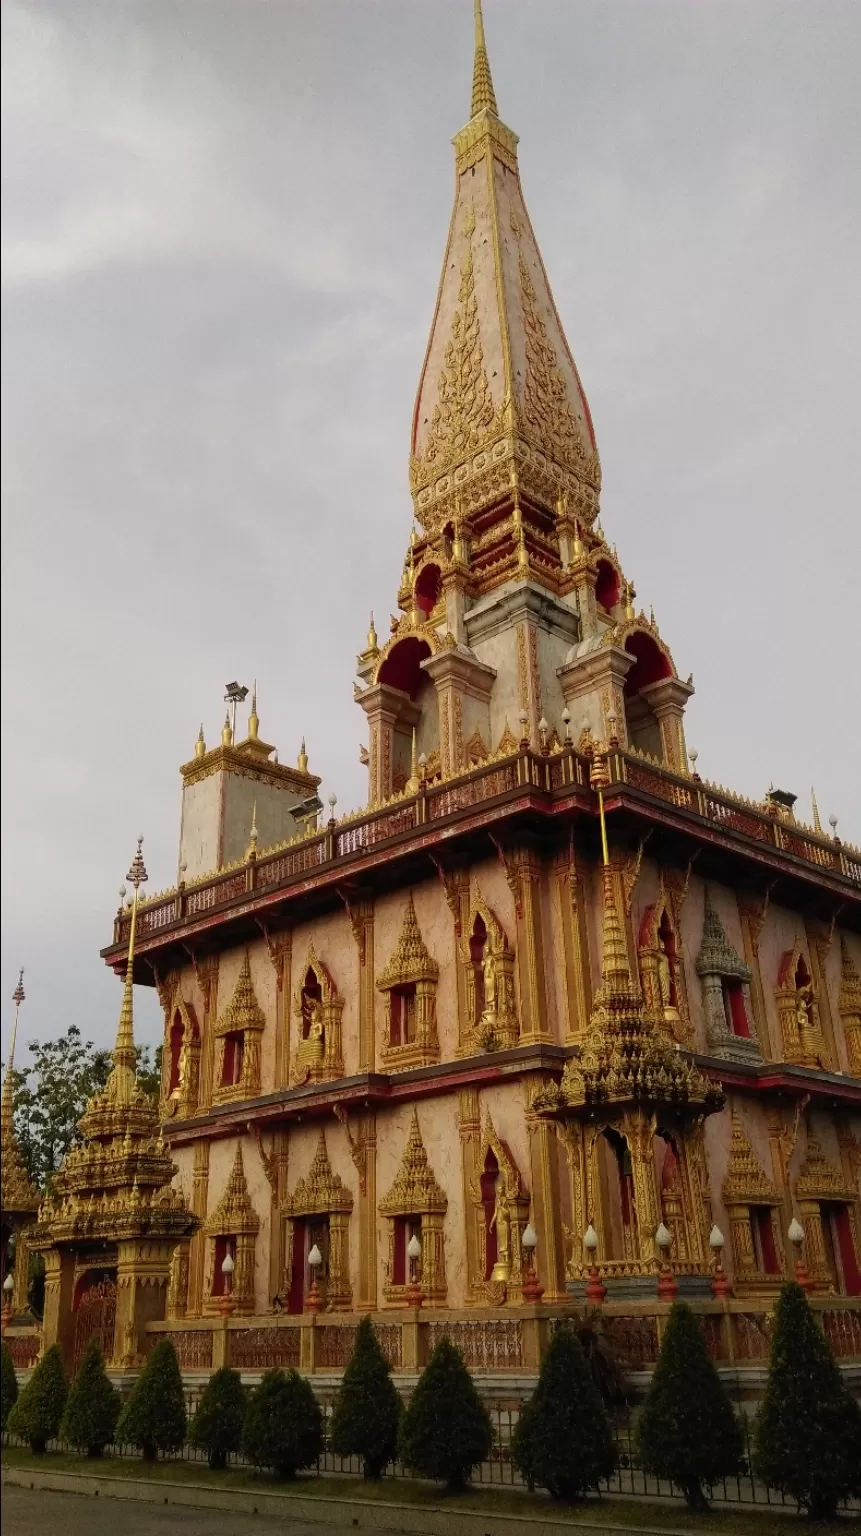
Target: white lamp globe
(227,1265)
(315,1257)
(590,1239)
(414,1248)
(530,1237)
(662,1237)
(716,1239)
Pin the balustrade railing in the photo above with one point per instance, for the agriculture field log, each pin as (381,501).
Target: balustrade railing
(548,773)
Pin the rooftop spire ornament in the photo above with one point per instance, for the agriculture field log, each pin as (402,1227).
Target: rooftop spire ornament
(125,1056)
(483,95)
(19,1196)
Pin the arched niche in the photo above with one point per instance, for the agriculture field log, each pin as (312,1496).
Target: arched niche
(662,974)
(317,1009)
(488,964)
(651,665)
(608,585)
(182,1059)
(798,1010)
(427,589)
(500,1213)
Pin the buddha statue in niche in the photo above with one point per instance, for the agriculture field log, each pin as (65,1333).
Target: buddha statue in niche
(311,1047)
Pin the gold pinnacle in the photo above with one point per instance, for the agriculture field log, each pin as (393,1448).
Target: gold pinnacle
(483,95)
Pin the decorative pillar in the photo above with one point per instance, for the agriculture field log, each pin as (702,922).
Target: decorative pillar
(455,884)
(383,706)
(752,911)
(143,1277)
(199,1202)
(523,872)
(469,1126)
(819,944)
(57,1312)
(546,1201)
(360,911)
(575,942)
(668,698)
(458,678)
(280,946)
(364,1152)
(206,975)
(21,1273)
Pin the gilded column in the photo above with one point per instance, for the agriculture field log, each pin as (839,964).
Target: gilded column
(367,1299)
(206,973)
(575,943)
(199,1201)
(752,916)
(546,1202)
(526,883)
(469,1126)
(275,1165)
(819,943)
(281,955)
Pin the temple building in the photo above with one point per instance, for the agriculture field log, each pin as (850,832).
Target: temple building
(549,986)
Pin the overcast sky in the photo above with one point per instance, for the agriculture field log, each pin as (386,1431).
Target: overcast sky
(223,229)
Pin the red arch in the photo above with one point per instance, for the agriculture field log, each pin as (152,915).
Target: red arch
(608,587)
(427,588)
(402,667)
(650,663)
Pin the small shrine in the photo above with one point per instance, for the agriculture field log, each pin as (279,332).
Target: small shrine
(19,1197)
(109,1225)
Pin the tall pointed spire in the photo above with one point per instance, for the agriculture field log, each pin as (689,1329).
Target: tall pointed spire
(18,1196)
(483,95)
(122,1081)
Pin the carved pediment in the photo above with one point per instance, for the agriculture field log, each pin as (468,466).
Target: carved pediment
(243,1012)
(411,960)
(415,1190)
(819,1179)
(509,1172)
(717,956)
(321,1191)
(234,1213)
(322,976)
(745,1182)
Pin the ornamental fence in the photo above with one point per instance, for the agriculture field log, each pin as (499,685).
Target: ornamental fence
(628,1481)
(544,776)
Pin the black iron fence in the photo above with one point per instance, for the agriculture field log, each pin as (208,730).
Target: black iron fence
(628,1481)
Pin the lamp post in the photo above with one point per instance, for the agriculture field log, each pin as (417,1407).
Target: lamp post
(532,1291)
(415,1294)
(668,1289)
(596,1291)
(8,1288)
(720,1285)
(795,1234)
(227,1268)
(315,1263)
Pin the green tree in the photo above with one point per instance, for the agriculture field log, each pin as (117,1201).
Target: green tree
(446,1429)
(283,1424)
(687,1431)
(37,1413)
(52,1093)
(807,1437)
(217,1425)
(93,1406)
(9,1383)
(368,1409)
(563,1440)
(154,1416)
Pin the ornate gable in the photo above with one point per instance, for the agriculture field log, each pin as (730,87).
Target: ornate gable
(819,1179)
(243,1012)
(234,1213)
(321,1191)
(411,960)
(745,1182)
(717,956)
(415,1190)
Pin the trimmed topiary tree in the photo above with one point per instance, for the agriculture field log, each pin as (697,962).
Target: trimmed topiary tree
(283,1424)
(37,1413)
(563,1440)
(154,1419)
(807,1436)
(687,1431)
(9,1383)
(446,1429)
(93,1406)
(217,1425)
(368,1409)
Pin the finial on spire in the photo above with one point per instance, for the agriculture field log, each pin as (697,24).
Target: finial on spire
(122,1081)
(17,998)
(373,643)
(302,762)
(412,785)
(226,732)
(817,824)
(253,718)
(253,834)
(200,744)
(483,96)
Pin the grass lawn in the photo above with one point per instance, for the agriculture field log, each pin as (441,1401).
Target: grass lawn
(665,1515)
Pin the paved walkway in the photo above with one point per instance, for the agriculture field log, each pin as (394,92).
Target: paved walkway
(37,1513)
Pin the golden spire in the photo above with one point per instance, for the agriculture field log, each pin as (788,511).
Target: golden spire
(253,718)
(373,643)
(226,732)
(200,744)
(816,822)
(254,834)
(483,96)
(302,762)
(17,1192)
(8,1096)
(412,785)
(615,969)
(122,1081)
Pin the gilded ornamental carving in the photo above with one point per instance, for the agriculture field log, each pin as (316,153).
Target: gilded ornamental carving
(237,1041)
(725,979)
(797,1001)
(317,1008)
(849,1007)
(232,1228)
(322,1194)
(753,1206)
(488,962)
(409,984)
(415,1203)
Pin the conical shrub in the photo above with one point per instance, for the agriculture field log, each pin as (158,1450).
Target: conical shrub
(93,1406)
(807,1436)
(368,1409)
(446,1429)
(563,1441)
(9,1384)
(283,1424)
(37,1413)
(154,1418)
(217,1425)
(687,1431)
